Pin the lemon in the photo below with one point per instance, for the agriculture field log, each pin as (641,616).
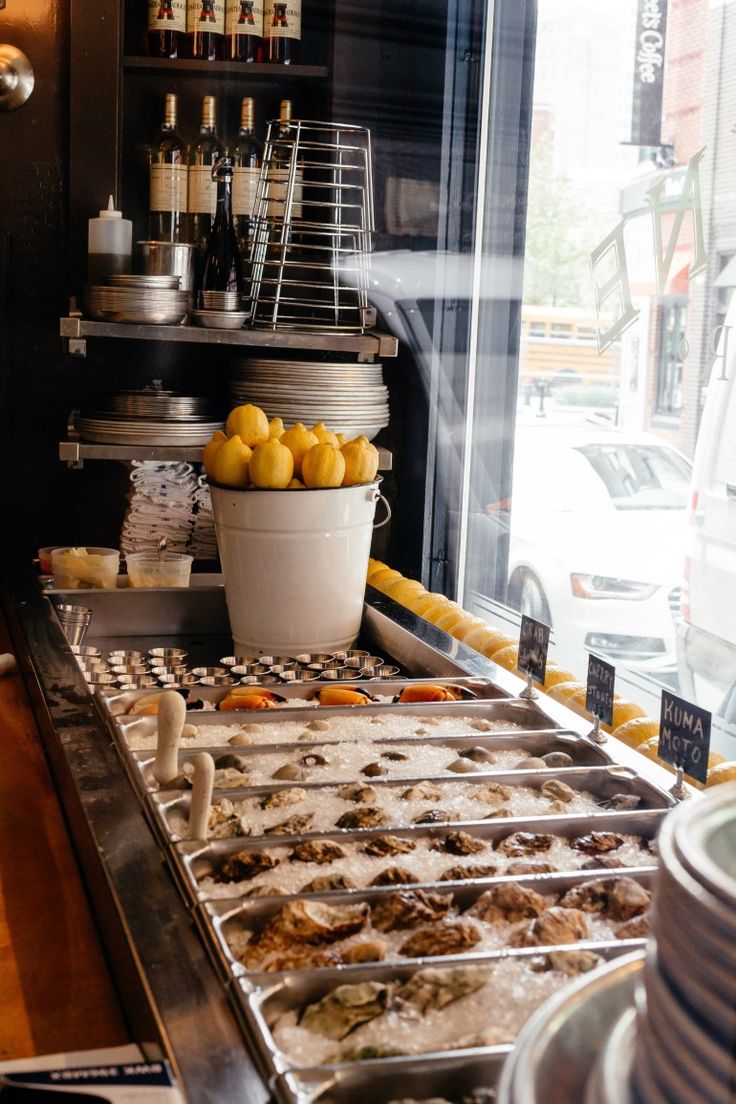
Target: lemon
(624,711)
(210,450)
(563,691)
(650,749)
(438,609)
(250,424)
(324,435)
(295,485)
(637,731)
(383,575)
(554,675)
(299,440)
(401,589)
(483,636)
(500,640)
(722,772)
(275,428)
(341,439)
(323,466)
(231,462)
(468,625)
(433,606)
(361,461)
(448,620)
(374,566)
(272,465)
(418,603)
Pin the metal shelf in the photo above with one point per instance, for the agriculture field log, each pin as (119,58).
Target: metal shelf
(76,452)
(264,71)
(368,345)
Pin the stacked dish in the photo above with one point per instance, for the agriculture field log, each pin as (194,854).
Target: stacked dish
(162,405)
(349,398)
(149,417)
(687,1033)
(137,303)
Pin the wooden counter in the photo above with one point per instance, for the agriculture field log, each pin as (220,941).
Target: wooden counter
(55,989)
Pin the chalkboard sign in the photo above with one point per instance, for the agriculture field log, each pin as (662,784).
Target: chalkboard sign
(684,735)
(599,694)
(533,646)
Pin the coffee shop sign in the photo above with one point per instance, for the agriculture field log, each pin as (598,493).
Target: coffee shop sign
(650,52)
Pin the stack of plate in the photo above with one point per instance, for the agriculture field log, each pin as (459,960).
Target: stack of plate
(150,417)
(102,428)
(686,1037)
(349,398)
(134,303)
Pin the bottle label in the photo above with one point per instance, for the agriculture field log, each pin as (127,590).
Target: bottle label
(245,183)
(244,17)
(283,19)
(202,190)
(206,16)
(167,15)
(278,190)
(168,188)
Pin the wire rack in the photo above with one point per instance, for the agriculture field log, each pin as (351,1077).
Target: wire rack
(312,229)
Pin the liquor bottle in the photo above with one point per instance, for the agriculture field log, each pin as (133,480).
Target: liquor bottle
(244,30)
(203,153)
(280,168)
(168,180)
(205,28)
(282,26)
(167,24)
(246,170)
(222,269)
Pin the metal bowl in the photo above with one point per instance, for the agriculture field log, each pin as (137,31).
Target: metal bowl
(125,657)
(209,672)
(296,675)
(340,674)
(170,681)
(158,283)
(357,662)
(220,320)
(178,670)
(239,661)
(217,680)
(138,681)
(221,300)
(308,658)
(357,653)
(166,655)
(259,680)
(86,651)
(385,670)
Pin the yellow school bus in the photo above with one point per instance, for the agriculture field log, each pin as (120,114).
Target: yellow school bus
(559,344)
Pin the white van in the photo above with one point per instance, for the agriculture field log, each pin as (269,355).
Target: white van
(706,635)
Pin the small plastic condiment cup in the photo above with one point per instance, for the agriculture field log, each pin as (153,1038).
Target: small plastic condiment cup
(96,568)
(151,569)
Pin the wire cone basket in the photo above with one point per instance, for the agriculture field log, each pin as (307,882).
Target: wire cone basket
(313,229)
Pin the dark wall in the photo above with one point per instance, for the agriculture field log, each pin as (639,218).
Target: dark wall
(34,487)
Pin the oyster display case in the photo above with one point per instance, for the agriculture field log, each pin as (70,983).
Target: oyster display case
(178,915)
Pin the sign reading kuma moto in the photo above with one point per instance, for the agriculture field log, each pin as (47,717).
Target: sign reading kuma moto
(646,107)
(684,735)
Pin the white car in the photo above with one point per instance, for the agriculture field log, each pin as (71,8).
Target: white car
(597,533)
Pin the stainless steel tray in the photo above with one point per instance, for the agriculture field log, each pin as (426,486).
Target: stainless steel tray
(601,782)
(527,715)
(220,919)
(117,702)
(582,751)
(195,861)
(390,1079)
(260,1004)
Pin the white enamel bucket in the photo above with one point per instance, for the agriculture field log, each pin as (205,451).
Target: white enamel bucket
(295,565)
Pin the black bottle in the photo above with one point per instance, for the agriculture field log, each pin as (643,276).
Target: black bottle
(222,266)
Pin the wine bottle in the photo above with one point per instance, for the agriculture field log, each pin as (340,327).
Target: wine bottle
(203,153)
(167,24)
(168,180)
(244,31)
(246,170)
(222,268)
(282,27)
(279,171)
(205,28)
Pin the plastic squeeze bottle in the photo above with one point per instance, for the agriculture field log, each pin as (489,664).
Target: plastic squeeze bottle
(109,245)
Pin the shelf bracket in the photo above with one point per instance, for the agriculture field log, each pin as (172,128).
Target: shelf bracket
(69,451)
(77,346)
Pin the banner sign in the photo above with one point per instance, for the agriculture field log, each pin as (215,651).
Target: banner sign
(646,108)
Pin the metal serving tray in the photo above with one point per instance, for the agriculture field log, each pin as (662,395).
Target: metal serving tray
(117,702)
(582,751)
(601,782)
(527,715)
(219,919)
(389,1079)
(194,861)
(260,1004)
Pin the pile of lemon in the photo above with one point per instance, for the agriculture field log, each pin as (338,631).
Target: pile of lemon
(630,722)
(256,452)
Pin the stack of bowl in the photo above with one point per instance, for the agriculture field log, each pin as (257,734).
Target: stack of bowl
(330,666)
(74,621)
(221,310)
(144,300)
(150,416)
(686,1031)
